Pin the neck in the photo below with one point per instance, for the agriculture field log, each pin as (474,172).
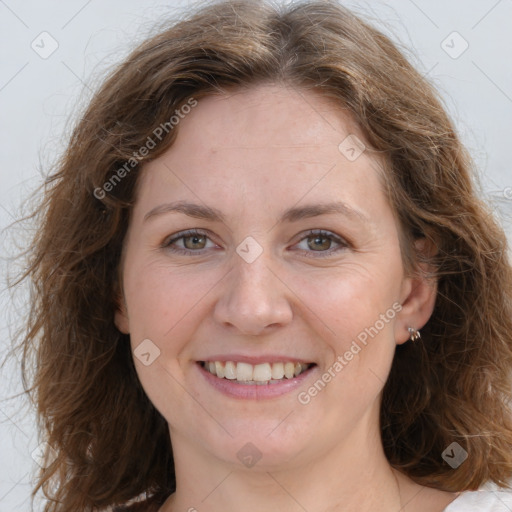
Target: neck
(353,476)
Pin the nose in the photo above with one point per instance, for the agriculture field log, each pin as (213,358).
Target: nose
(253,298)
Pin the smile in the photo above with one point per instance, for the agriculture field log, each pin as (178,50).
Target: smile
(264,373)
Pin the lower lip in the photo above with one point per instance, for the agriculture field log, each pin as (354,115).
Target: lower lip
(235,389)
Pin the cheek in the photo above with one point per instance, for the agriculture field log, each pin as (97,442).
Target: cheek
(163,301)
(350,298)
(166,306)
(355,311)
(354,308)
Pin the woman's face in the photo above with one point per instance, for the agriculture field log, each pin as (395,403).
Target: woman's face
(296,259)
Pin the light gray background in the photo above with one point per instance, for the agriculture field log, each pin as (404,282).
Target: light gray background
(37,96)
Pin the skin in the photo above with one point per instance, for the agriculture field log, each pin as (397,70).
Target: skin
(253,154)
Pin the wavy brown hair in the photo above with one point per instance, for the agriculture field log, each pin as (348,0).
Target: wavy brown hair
(453,385)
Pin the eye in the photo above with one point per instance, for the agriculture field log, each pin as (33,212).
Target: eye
(192,242)
(320,241)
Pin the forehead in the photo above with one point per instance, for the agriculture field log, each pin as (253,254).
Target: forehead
(273,116)
(263,144)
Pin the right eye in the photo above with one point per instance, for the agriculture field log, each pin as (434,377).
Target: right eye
(193,242)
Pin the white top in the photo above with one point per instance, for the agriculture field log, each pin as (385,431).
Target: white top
(493,499)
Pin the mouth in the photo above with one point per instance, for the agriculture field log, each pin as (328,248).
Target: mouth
(270,373)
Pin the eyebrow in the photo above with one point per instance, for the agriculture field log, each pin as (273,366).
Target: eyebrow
(291,215)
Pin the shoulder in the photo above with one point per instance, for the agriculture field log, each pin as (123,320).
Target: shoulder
(488,499)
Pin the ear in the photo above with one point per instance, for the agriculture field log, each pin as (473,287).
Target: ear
(418,295)
(121,319)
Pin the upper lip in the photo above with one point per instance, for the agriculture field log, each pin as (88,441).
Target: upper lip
(270,358)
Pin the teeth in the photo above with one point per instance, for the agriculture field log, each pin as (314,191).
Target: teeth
(289,370)
(277,370)
(262,372)
(219,369)
(243,371)
(230,370)
(255,374)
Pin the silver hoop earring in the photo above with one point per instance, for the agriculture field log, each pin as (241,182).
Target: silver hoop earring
(414,334)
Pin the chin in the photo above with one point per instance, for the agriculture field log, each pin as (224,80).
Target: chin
(262,444)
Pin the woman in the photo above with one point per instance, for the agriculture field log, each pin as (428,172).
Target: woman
(263,277)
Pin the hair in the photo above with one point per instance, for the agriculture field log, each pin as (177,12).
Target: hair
(453,385)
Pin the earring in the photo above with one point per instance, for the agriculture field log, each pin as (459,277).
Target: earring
(415,334)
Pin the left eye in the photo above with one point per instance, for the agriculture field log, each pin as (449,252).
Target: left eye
(321,241)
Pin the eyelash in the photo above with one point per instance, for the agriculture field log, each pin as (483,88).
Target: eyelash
(343,244)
